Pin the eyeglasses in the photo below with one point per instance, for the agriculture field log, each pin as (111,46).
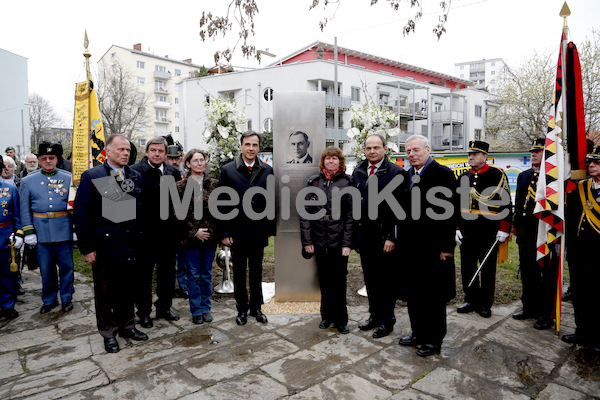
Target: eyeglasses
(198,161)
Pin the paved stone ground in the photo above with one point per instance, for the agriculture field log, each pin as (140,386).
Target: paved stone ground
(62,356)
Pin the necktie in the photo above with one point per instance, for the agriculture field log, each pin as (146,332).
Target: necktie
(250,168)
(372,170)
(120,173)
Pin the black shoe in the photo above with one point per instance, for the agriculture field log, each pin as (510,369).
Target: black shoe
(133,334)
(567,296)
(573,339)
(343,329)
(543,323)
(10,313)
(325,324)
(409,341)
(521,315)
(67,306)
(197,319)
(368,325)
(167,315)
(382,331)
(465,308)
(47,308)
(207,317)
(182,294)
(485,312)
(260,317)
(428,350)
(146,321)
(241,318)
(111,345)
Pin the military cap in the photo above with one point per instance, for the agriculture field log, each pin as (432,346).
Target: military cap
(538,144)
(594,155)
(9,148)
(173,151)
(478,146)
(49,149)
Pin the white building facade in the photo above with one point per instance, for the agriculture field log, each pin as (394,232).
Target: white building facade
(484,74)
(15,130)
(159,78)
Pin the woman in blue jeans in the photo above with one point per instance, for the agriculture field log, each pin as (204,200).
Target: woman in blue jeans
(199,243)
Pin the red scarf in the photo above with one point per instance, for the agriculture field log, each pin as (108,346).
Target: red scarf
(328,176)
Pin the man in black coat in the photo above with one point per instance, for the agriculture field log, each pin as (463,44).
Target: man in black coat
(247,236)
(376,236)
(539,282)
(428,280)
(485,223)
(110,241)
(157,235)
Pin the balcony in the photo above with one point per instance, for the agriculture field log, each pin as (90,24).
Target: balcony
(165,105)
(330,134)
(478,68)
(162,75)
(410,110)
(343,102)
(162,120)
(161,90)
(444,117)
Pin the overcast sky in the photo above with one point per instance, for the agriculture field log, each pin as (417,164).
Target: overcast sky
(50,34)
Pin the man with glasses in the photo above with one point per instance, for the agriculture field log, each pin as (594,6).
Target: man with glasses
(583,238)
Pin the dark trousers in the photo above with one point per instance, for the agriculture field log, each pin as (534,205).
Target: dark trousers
(163,256)
(539,282)
(378,272)
(247,256)
(473,250)
(428,318)
(113,284)
(332,270)
(585,276)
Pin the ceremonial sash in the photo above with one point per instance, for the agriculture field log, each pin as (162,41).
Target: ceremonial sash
(591,208)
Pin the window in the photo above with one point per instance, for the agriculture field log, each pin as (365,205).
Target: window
(141,111)
(207,98)
(160,68)
(249,121)
(384,98)
(493,64)
(140,64)
(115,68)
(162,98)
(477,134)
(160,85)
(176,115)
(473,66)
(247,96)
(268,96)
(355,94)
(437,107)
(268,125)
(143,142)
(161,115)
(176,100)
(493,72)
(141,80)
(402,101)
(177,72)
(462,76)
(228,96)
(176,129)
(462,67)
(113,55)
(478,111)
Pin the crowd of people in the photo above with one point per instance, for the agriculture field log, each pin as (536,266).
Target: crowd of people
(409,224)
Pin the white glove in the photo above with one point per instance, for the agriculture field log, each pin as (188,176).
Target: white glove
(31,239)
(18,242)
(502,236)
(458,237)
(74,237)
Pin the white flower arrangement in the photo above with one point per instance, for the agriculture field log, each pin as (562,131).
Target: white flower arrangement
(367,120)
(221,132)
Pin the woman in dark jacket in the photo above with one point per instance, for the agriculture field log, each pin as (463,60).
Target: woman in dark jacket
(329,237)
(199,240)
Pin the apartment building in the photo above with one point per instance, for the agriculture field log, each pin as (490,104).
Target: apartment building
(483,73)
(159,78)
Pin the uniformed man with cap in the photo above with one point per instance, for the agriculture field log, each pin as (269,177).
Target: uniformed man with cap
(10,222)
(47,223)
(485,221)
(583,240)
(539,282)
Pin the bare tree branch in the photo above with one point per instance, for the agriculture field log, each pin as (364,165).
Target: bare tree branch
(42,117)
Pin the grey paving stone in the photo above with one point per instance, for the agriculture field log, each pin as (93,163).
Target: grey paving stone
(306,333)
(152,354)
(84,325)
(395,367)
(411,394)
(55,354)
(237,358)
(557,392)
(11,365)
(452,384)
(322,360)
(581,372)
(20,340)
(344,386)
(56,383)
(250,386)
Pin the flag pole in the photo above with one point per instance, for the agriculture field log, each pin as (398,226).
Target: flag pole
(87,56)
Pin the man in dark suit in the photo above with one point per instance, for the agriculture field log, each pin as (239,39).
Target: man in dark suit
(110,242)
(539,282)
(485,222)
(299,145)
(427,267)
(156,234)
(376,236)
(247,236)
